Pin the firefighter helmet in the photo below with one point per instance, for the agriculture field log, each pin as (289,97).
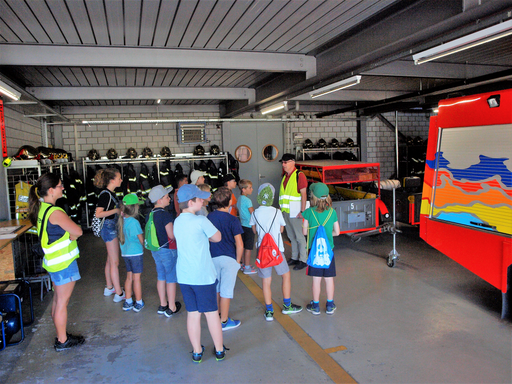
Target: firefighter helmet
(26,152)
(147,152)
(199,150)
(111,154)
(214,150)
(165,152)
(93,155)
(308,144)
(350,142)
(335,143)
(322,143)
(131,153)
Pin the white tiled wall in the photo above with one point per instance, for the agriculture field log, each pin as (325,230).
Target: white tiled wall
(20,130)
(123,136)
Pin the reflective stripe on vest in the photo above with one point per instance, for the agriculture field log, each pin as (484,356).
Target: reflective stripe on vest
(60,253)
(289,193)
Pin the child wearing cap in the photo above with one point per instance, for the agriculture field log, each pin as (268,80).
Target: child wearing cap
(245,209)
(196,272)
(197,177)
(204,209)
(226,254)
(230,181)
(131,240)
(321,212)
(267,219)
(165,257)
(180,180)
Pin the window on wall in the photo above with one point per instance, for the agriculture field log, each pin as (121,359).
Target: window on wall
(191,133)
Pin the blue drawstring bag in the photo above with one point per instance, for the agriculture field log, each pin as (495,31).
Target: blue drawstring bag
(320,254)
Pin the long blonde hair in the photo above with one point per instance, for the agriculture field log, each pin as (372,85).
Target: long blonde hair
(321,204)
(126,211)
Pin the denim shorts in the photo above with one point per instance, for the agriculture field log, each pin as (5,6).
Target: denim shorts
(109,230)
(281,269)
(248,238)
(165,260)
(67,275)
(227,271)
(200,298)
(133,263)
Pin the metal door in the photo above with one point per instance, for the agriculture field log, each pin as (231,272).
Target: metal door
(256,136)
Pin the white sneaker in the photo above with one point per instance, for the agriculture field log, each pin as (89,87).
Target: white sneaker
(109,291)
(118,298)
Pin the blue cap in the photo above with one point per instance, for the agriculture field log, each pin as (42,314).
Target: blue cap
(189,191)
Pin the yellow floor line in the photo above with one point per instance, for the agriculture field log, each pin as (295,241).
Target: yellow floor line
(320,356)
(335,349)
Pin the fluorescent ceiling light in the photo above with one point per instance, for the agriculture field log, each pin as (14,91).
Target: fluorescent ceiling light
(469,41)
(275,107)
(336,86)
(9,91)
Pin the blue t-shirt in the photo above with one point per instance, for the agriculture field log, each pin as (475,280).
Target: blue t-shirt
(243,204)
(229,227)
(194,265)
(161,217)
(132,245)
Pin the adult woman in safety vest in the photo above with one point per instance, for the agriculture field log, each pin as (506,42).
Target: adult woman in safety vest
(58,235)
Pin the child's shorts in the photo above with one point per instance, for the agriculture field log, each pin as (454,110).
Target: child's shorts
(200,298)
(165,260)
(323,272)
(248,238)
(133,263)
(67,275)
(281,269)
(108,231)
(227,271)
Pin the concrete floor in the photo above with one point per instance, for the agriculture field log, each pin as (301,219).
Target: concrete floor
(428,320)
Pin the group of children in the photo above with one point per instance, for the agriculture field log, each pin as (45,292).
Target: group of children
(203,253)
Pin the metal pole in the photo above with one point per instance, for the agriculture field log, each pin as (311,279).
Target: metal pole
(396,145)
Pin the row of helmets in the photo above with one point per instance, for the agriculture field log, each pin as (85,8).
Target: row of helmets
(131,153)
(334,143)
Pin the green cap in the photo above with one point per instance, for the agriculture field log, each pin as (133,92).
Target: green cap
(131,199)
(320,190)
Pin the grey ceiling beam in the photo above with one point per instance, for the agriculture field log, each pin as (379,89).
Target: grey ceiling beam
(406,68)
(67,56)
(141,93)
(133,109)
(350,95)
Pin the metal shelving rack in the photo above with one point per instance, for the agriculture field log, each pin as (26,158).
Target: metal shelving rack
(184,159)
(301,152)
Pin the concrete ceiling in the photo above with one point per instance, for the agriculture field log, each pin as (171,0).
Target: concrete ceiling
(237,57)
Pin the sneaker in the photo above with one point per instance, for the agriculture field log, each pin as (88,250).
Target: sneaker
(293,262)
(161,309)
(220,355)
(109,291)
(242,267)
(249,270)
(330,308)
(72,341)
(230,324)
(118,298)
(198,357)
(314,309)
(168,312)
(292,308)
(269,315)
(127,306)
(138,307)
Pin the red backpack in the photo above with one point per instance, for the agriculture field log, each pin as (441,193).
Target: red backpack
(269,254)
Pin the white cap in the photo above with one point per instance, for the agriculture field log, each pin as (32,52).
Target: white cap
(195,175)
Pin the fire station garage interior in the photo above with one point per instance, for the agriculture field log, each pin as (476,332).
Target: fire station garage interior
(402,107)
